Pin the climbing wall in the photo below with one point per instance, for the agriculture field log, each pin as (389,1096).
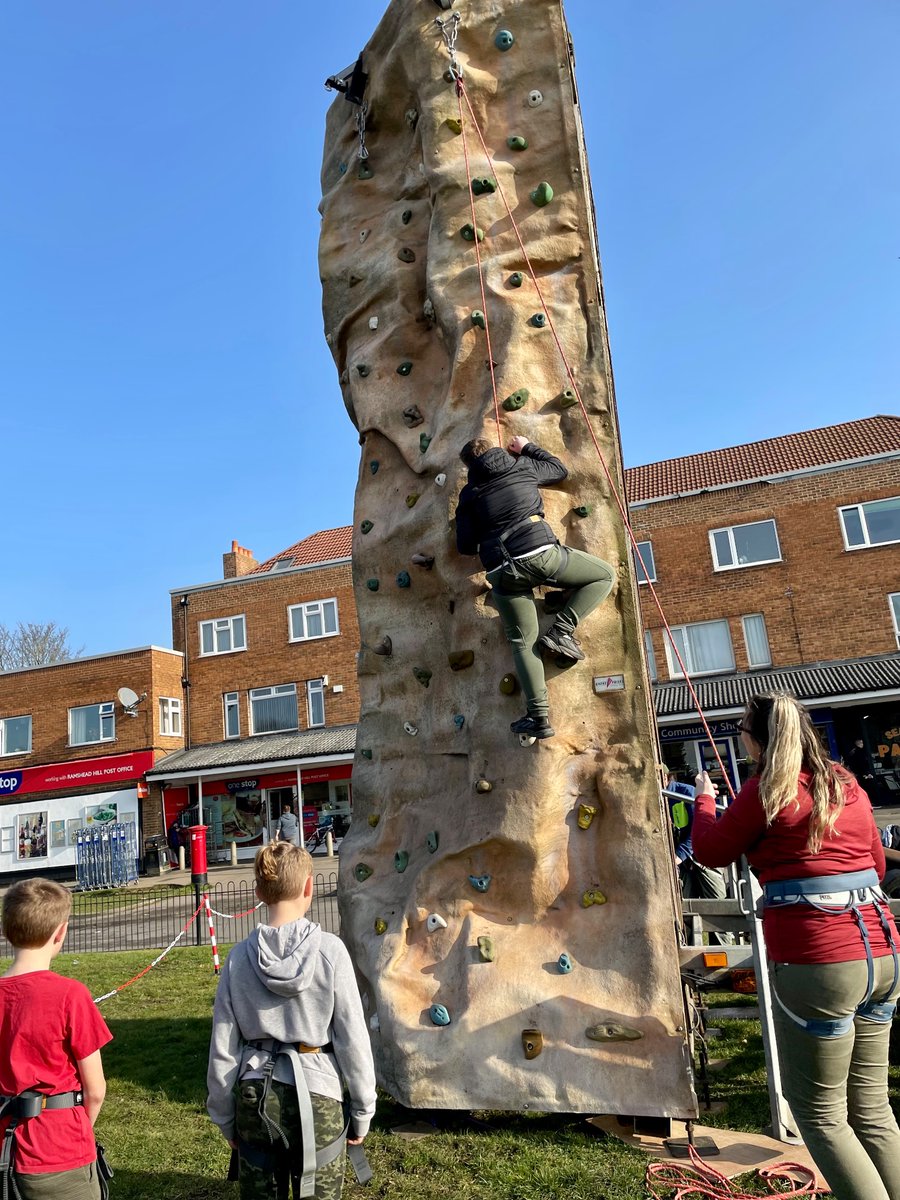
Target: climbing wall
(510,910)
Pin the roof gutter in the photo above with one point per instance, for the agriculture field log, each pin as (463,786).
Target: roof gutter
(268,765)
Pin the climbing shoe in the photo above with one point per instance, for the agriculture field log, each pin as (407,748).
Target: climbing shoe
(536,727)
(561,643)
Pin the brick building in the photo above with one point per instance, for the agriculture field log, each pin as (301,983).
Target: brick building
(73,755)
(270,693)
(778,566)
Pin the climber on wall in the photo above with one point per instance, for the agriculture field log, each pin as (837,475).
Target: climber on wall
(500,516)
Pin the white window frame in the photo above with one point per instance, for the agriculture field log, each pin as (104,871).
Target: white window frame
(675,671)
(314,687)
(268,693)
(735,565)
(231,702)
(219,625)
(306,608)
(860,509)
(107,709)
(4,753)
(650,656)
(649,561)
(752,616)
(169,716)
(894,603)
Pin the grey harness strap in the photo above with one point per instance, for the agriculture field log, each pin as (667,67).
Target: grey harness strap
(501,539)
(25,1107)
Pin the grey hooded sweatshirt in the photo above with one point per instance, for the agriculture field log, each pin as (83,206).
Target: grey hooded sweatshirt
(294,983)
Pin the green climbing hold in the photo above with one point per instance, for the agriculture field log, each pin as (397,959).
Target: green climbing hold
(471,233)
(406,255)
(373,585)
(516,142)
(509,685)
(568,399)
(583,510)
(406,216)
(486,950)
(423,676)
(516,279)
(366,752)
(542,195)
(484,186)
(517,400)
(592,897)
(380,926)
(612,1031)
(403,579)
(405,368)
(401,860)
(504,40)
(478,319)
(374,818)
(424,441)
(374,465)
(363,369)
(539,320)
(366,526)
(361,872)
(480,883)
(460,660)
(365,171)
(411,499)
(454,124)
(431,841)
(342,167)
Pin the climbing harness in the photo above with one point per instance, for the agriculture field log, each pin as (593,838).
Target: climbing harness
(26,1106)
(836,895)
(509,563)
(312,1159)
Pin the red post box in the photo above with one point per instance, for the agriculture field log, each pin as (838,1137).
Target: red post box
(198,853)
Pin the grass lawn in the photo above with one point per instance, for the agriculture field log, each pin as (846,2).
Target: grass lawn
(162,1145)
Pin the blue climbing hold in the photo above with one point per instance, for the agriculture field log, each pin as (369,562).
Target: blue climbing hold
(564,963)
(459,720)
(504,40)
(480,883)
(374,465)
(539,320)
(401,860)
(439,1015)
(403,579)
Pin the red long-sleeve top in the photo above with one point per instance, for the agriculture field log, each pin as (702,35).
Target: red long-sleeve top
(798,933)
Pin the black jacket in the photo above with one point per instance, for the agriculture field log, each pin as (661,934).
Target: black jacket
(501,491)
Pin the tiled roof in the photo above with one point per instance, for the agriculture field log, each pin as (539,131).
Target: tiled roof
(268,749)
(823,680)
(773,456)
(323,546)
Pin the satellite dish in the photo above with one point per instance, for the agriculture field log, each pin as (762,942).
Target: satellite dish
(127,698)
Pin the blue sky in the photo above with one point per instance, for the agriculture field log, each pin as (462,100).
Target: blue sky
(164,380)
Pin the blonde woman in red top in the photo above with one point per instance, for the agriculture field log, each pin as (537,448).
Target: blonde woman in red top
(808,832)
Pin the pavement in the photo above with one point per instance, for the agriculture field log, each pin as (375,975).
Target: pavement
(225,873)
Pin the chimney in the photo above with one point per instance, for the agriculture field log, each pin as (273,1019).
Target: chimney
(239,562)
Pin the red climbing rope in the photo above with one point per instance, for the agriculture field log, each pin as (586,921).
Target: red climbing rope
(679,1182)
(462,94)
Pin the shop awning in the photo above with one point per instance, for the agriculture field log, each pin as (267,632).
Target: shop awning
(846,682)
(273,750)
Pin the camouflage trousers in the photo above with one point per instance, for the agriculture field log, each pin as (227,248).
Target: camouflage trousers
(266,1171)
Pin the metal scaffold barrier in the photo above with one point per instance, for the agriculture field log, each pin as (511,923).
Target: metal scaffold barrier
(106,856)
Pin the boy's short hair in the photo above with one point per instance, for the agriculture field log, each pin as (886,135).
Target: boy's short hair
(473,450)
(32,910)
(281,871)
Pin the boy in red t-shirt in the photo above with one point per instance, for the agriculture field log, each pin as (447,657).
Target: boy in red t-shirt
(51,1033)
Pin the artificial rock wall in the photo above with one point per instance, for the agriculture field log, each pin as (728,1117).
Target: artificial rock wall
(536,917)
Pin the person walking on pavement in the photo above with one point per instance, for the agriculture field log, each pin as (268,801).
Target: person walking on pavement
(859,760)
(500,517)
(288,829)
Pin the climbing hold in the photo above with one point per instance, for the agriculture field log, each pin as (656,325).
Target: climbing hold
(460,660)
(423,560)
(406,216)
(403,579)
(372,585)
(535,99)
(478,319)
(517,142)
(459,720)
(454,124)
(363,234)
(411,499)
(374,465)
(405,368)
(586,814)
(509,685)
(471,232)
(431,841)
(423,676)
(401,860)
(361,872)
(428,312)
(439,1015)
(564,963)
(380,926)
(384,647)
(539,320)
(363,369)
(612,1031)
(568,399)
(412,417)
(542,194)
(409,728)
(517,400)
(345,376)
(480,883)
(516,279)
(342,167)
(532,1042)
(486,950)
(424,441)
(412,116)
(374,818)
(365,170)
(483,786)
(435,921)
(366,752)
(440,479)
(484,186)
(353,280)
(594,897)
(366,527)
(406,255)
(504,40)
(583,510)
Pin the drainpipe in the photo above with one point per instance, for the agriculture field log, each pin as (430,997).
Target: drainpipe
(186,677)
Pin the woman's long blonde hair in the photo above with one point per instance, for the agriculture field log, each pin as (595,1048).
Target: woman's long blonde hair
(789,744)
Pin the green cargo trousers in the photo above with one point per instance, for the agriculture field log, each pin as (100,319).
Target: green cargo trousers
(592,580)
